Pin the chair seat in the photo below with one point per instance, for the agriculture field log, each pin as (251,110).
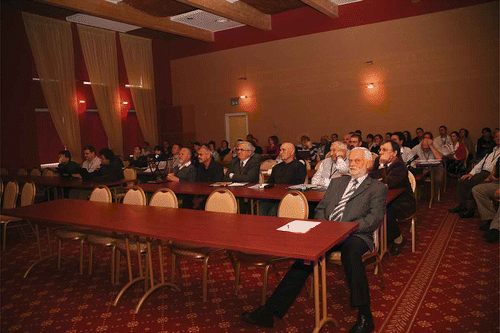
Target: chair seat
(69,234)
(336,256)
(189,250)
(101,240)
(121,245)
(5,218)
(256,259)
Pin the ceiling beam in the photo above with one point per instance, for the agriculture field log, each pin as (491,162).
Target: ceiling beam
(238,11)
(122,12)
(325,6)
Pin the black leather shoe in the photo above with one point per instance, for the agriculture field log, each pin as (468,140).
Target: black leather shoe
(467,214)
(458,209)
(486,226)
(260,317)
(396,249)
(363,325)
(492,235)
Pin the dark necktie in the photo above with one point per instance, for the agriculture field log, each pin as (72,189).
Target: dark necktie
(338,212)
(241,167)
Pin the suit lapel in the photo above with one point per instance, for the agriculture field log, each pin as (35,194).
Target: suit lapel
(361,188)
(344,181)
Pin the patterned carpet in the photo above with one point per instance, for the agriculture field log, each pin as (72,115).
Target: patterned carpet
(450,284)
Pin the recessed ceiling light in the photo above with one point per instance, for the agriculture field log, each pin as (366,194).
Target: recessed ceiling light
(221,20)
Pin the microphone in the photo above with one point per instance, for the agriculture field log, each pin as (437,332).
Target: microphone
(411,160)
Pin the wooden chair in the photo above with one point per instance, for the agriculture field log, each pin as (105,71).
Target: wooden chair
(48,173)
(318,165)
(134,196)
(99,194)
(163,197)
(128,173)
(1,191)
(222,201)
(27,198)
(35,172)
(22,172)
(293,205)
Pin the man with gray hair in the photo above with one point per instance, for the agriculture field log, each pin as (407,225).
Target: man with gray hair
(332,167)
(246,166)
(351,198)
(185,171)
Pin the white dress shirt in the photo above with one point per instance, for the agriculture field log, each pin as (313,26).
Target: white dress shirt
(91,166)
(487,163)
(443,145)
(329,169)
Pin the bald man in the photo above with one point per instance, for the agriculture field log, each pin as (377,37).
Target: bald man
(288,171)
(426,151)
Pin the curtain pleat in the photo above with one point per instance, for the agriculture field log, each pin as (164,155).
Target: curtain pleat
(99,53)
(52,46)
(138,56)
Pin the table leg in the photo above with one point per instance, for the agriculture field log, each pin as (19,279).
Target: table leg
(321,318)
(162,277)
(131,280)
(39,246)
(383,238)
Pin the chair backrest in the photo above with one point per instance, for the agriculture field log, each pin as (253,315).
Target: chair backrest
(101,193)
(413,182)
(126,163)
(22,172)
(1,189)
(267,164)
(35,172)
(135,196)
(28,194)
(261,178)
(4,172)
(328,155)
(221,201)
(308,165)
(318,165)
(294,205)
(374,156)
(10,195)
(48,173)
(164,197)
(129,173)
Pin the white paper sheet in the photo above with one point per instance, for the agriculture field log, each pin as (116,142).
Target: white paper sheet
(298,226)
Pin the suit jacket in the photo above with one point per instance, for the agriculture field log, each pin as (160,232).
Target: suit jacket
(249,173)
(396,176)
(366,205)
(187,174)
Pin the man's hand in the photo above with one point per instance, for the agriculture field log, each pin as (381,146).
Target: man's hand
(497,194)
(172,178)
(467,176)
(491,178)
(341,153)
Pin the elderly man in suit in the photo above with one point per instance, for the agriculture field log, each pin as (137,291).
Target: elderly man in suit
(185,171)
(352,198)
(246,167)
(393,172)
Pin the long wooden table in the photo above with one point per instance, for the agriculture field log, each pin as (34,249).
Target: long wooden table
(64,182)
(247,233)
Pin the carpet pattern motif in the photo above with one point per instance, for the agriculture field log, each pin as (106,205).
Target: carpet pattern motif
(450,284)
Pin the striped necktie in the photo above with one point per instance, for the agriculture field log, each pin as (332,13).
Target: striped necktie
(338,212)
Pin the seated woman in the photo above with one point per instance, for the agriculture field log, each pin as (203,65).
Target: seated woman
(137,160)
(274,147)
(224,149)
(454,160)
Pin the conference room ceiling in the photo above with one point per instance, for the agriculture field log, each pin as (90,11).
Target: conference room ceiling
(159,18)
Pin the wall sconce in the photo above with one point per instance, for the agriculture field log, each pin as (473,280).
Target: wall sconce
(243,96)
(81,101)
(87,83)
(125,103)
(370,86)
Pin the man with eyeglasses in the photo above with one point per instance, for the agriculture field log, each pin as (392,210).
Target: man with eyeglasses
(393,172)
(355,197)
(246,166)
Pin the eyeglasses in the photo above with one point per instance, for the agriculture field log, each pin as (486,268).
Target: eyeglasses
(241,149)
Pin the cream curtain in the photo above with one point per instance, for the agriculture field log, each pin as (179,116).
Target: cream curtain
(99,52)
(52,46)
(138,56)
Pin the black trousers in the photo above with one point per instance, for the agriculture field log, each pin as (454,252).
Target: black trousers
(393,230)
(464,187)
(352,250)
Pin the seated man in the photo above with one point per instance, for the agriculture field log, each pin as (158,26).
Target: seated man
(324,147)
(484,194)
(332,167)
(307,150)
(185,172)
(394,173)
(406,153)
(138,160)
(476,176)
(92,162)
(246,167)
(288,171)
(207,171)
(111,167)
(426,151)
(443,141)
(355,141)
(66,167)
(355,197)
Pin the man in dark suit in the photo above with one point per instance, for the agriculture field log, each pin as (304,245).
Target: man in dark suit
(355,197)
(185,172)
(393,172)
(246,167)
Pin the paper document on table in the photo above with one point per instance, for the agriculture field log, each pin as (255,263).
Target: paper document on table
(298,226)
(237,184)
